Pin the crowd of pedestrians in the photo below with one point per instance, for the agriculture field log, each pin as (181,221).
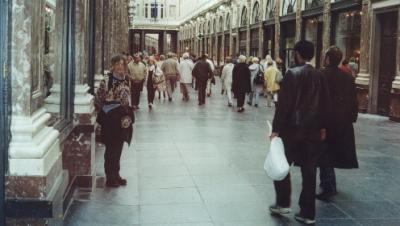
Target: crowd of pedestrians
(314,109)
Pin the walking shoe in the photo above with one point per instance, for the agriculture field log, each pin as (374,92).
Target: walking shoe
(304,220)
(229,105)
(256,105)
(112,183)
(240,110)
(326,195)
(170,99)
(150,106)
(122,181)
(275,209)
(249,103)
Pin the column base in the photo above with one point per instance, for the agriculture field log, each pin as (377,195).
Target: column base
(84,102)
(363,98)
(395,105)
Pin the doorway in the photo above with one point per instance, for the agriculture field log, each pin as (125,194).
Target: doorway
(385,65)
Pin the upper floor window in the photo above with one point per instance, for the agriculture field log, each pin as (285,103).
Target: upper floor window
(256,13)
(146,10)
(270,9)
(243,21)
(221,24)
(310,4)
(162,11)
(228,22)
(154,10)
(288,6)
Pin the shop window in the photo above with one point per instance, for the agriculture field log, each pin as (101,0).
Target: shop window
(347,34)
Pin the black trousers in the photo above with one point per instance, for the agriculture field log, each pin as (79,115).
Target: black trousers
(307,153)
(201,86)
(112,157)
(240,99)
(136,89)
(150,89)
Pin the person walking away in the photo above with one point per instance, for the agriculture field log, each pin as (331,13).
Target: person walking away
(212,79)
(241,82)
(353,66)
(161,85)
(226,78)
(280,65)
(202,73)
(257,82)
(345,67)
(116,118)
(137,71)
(268,58)
(271,83)
(300,120)
(150,85)
(185,70)
(171,73)
(340,140)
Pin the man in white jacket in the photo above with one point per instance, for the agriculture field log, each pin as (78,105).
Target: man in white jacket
(226,78)
(185,70)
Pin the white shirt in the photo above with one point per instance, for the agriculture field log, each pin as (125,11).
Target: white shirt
(226,75)
(185,69)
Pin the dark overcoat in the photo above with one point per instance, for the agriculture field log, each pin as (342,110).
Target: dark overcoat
(340,148)
(241,78)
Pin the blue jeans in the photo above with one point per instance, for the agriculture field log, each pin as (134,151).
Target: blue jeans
(327,179)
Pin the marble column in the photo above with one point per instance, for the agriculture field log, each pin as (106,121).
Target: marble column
(222,48)
(99,67)
(363,78)
(231,43)
(395,93)
(35,172)
(164,40)
(326,29)
(142,40)
(277,30)
(215,51)
(248,37)
(299,20)
(261,40)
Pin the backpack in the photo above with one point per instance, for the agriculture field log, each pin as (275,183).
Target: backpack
(259,79)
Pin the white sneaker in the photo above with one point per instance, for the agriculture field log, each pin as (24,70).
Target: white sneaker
(275,209)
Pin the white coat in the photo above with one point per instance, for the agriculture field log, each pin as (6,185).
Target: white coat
(185,69)
(226,76)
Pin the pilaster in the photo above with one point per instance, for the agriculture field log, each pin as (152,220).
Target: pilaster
(326,29)
(277,29)
(299,20)
(395,93)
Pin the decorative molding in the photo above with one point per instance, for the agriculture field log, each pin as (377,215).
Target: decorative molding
(84,101)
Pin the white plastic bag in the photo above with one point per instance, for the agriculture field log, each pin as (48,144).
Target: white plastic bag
(276,165)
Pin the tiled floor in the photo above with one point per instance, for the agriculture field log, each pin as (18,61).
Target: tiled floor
(203,166)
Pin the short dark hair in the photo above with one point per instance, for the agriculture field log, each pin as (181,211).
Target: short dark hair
(305,49)
(204,57)
(117,58)
(335,55)
(345,62)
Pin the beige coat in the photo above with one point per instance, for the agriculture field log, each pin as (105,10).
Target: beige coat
(137,72)
(270,79)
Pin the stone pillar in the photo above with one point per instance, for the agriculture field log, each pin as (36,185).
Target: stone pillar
(215,51)
(299,20)
(277,29)
(231,42)
(35,177)
(261,41)
(164,40)
(142,40)
(363,78)
(395,93)
(222,48)
(99,67)
(326,30)
(248,28)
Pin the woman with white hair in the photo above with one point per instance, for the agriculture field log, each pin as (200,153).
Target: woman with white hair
(226,78)
(268,58)
(241,82)
(257,81)
(185,69)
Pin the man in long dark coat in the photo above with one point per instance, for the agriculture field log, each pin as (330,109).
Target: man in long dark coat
(340,142)
(300,120)
(202,73)
(241,82)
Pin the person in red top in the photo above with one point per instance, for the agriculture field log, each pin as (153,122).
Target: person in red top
(345,67)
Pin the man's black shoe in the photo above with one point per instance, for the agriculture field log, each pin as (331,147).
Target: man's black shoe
(325,196)
(303,219)
(112,183)
(122,181)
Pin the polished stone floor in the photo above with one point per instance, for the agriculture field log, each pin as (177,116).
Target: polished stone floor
(203,166)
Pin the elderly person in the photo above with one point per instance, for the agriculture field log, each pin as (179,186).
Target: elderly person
(116,118)
(202,73)
(257,81)
(137,71)
(159,81)
(171,74)
(226,78)
(151,79)
(271,83)
(241,82)
(185,70)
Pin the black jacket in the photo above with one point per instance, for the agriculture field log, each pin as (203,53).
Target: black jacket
(302,103)
(202,71)
(241,78)
(340,140)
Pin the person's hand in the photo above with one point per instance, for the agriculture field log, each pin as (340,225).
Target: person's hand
(273,134)
(323,134)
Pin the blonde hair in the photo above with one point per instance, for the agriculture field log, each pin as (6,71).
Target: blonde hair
(255,60)
(242,59)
